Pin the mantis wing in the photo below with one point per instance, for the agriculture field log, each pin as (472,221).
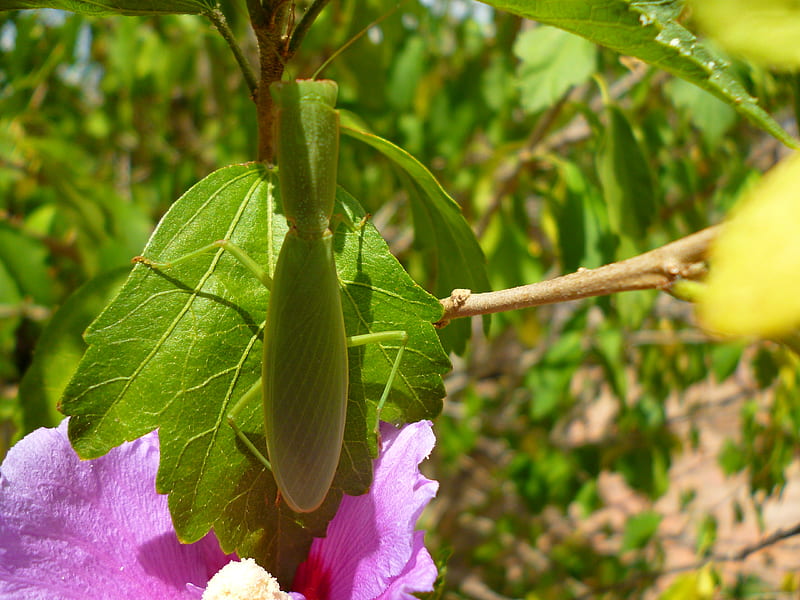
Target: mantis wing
(305,371)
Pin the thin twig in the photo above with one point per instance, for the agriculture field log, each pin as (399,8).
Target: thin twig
(537,146)
(305,24)
(527,154)
(25,310)
(656,269)
(217,17)
(354,39)
(770,540)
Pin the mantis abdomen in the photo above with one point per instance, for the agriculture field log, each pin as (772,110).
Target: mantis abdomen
(305,372)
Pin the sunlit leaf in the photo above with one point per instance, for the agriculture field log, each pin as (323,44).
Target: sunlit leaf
(697,585)
(650,30)
(766,31)
(754,282)
(551,62)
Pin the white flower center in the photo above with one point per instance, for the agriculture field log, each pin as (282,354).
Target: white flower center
(243,580)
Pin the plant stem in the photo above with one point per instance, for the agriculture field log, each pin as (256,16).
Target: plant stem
(269,25)
(257,13)
(217,17)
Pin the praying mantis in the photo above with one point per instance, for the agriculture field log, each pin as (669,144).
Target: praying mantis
(305,380)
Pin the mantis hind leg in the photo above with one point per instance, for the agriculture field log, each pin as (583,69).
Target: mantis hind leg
(383,336)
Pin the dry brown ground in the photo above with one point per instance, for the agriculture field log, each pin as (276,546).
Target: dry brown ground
(698,471)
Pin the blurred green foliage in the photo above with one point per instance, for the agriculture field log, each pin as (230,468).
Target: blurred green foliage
(573,161)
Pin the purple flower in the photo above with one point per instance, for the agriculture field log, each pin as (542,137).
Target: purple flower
(92,529)
(97,529)
(371,550)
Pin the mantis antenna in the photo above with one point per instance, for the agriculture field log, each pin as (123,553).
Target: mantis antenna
(355,38)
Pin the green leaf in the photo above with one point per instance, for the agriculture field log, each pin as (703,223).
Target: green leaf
(583,229)
(552,376)
(627,182)
(707,112)
(24,259)
(697,585)
(650,31)
(724,359)
(118,7)
(406,73)
(706,535)
(639,529)
(609,343)
(551,62)
(440,229)
(179,346)
(61,347)
(9,292)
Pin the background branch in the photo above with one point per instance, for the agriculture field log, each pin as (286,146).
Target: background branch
(770,540)
(656,269)
(217,17)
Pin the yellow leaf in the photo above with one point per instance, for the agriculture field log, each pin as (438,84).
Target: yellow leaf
(764,31)
(698,585)
(754,278)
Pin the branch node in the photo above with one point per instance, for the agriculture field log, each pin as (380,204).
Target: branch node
(459,296)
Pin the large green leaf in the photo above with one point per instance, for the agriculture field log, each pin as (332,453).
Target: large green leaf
(178,347)
(650,31)
(440,229)
(115,7)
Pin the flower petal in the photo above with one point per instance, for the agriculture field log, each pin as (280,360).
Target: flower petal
(92,529)
(371,549)
(420,568)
